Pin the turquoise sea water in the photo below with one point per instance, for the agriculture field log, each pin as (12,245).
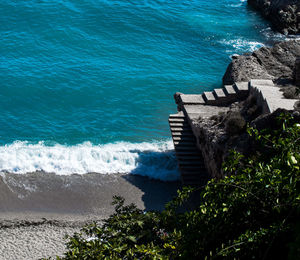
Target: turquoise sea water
(87,85)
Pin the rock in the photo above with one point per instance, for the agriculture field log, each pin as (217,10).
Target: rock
(244,68)
(234,56)
(283,14)
(177,101)
(276,63)
(297,106)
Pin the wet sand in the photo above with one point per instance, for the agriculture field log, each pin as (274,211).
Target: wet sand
(38,209)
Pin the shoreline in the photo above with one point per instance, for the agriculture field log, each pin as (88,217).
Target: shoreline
(38,209)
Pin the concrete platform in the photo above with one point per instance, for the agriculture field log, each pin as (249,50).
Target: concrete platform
(275,103)
(261,82)
(191,99)
(202,111)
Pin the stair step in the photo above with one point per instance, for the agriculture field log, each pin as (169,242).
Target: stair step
(189,142)
(181,129)
(185,143)
(241,86)
(261,82)
(181,133)
(200,174)
(242,89)
(186,149)
(178,115)
(189,168)
(189,158)
(229,90)
(192,170)
(179,121)
(184,138)
(219,93)
(179,124)
(195,176)
(208,97)
(175,120)
(192,153)
(192,163)
(191,99)
(186,153)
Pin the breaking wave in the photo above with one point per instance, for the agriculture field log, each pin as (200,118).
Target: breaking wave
(155,159)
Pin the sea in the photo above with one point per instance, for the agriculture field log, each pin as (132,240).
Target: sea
(87,85)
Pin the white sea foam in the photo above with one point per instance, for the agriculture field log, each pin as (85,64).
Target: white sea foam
(241,45)
(155,160)
(238,4)
(273,36)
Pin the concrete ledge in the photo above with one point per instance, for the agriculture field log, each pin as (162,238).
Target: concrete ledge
(261,82)
(191,99)
(269,97)
(195,112)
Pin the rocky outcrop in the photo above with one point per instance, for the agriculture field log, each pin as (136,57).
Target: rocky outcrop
(276,63)
(283,14)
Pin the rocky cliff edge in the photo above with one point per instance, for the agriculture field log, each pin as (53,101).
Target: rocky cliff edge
(283,14)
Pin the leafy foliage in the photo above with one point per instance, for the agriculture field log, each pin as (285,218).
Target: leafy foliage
(253,213)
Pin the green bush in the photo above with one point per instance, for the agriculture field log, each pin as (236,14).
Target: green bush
(253,213)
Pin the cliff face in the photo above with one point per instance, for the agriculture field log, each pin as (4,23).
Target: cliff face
(283,14)
(276,63)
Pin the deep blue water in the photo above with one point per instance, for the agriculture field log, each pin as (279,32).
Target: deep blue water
(84,74)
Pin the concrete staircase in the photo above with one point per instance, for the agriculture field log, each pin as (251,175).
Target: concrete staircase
(189,158)
(193,108)
(269,97)
(219,96)
(227,94)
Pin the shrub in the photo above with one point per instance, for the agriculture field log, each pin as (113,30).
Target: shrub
(253,213)
(291,92)
(234,123)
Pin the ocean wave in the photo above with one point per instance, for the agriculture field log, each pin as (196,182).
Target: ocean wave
(273,36)
(239,4)
(241,45)
(154,159)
